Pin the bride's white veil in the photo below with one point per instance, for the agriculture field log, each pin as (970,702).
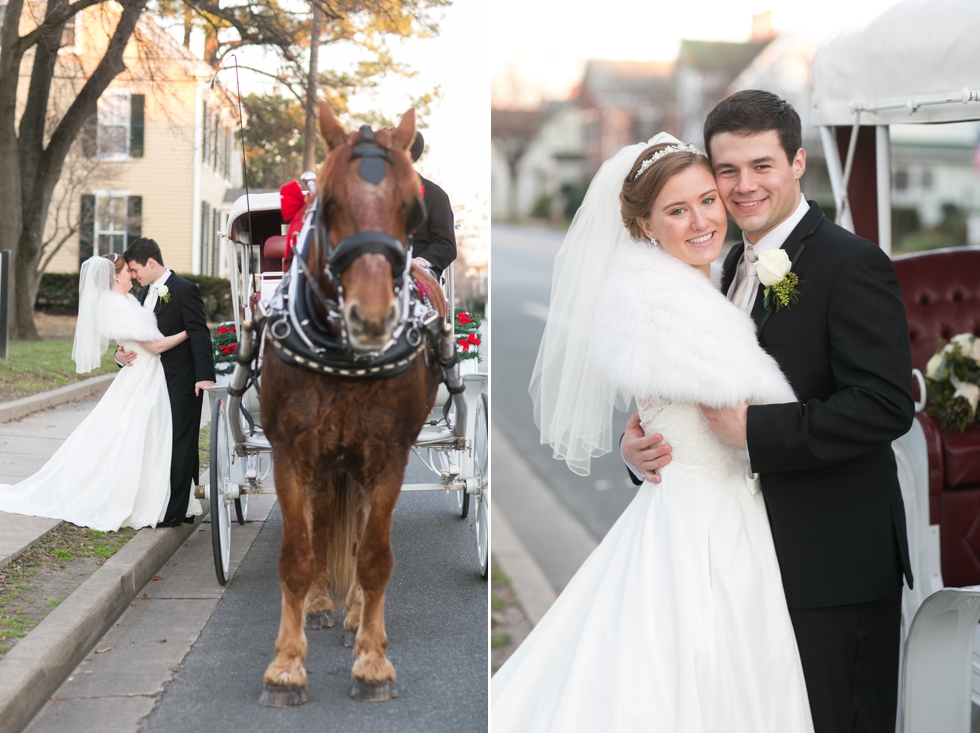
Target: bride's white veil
(95,281)
(573,401)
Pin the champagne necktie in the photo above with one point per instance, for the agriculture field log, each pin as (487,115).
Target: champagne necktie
(746,289)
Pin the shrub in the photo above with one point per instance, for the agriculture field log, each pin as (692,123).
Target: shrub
(58,295)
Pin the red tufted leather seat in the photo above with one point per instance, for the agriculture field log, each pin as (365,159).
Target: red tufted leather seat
(941,290)
(272,253)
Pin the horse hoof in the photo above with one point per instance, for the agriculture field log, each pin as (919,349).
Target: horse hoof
(282,696)
(319,620)
(373,691)
(349,637)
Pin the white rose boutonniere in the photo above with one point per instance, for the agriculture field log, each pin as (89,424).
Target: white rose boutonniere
(774,271)
(164,293)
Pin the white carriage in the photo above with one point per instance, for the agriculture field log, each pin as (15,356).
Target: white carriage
(453,443)
(915,64)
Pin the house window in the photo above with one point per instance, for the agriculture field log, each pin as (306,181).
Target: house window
(111,222)
(927,179)
(901,179)
(114,121)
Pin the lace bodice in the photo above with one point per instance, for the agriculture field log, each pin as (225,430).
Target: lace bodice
(695,449)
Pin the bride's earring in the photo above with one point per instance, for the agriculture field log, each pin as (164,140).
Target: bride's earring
(654,242)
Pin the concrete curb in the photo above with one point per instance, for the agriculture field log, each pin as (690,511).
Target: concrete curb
(34,669)
(534,593)
(69,393)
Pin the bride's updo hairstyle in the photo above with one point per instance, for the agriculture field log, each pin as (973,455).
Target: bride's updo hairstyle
(640,190)
(116,259)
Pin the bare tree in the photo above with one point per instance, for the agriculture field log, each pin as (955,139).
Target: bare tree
(32,155)
(513,130)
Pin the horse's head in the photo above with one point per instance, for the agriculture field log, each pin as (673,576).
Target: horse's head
(369,198)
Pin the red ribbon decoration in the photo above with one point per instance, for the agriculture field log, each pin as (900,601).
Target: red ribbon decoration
(292,201)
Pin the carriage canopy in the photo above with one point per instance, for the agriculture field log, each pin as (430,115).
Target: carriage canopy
(919,54)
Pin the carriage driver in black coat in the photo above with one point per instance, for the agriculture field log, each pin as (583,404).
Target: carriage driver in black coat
(435,238)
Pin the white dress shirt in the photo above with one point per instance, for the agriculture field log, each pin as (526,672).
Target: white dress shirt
(772,240)
(152,295)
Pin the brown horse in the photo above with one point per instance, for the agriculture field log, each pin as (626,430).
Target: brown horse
(340,445)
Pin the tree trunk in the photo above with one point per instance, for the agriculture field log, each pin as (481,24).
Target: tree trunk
(10,191)
(512,191)
(39,168)
(312,81)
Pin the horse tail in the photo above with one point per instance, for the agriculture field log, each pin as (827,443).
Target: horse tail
(343,535)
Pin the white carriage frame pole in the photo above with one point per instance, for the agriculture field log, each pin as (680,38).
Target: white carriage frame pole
(883,174)
(838,182)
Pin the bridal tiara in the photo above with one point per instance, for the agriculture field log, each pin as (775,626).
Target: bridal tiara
(686,148)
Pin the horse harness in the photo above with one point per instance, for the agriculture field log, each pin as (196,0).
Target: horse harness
(316,338)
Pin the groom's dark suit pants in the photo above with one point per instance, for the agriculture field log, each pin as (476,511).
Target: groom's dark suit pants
(850,662)
(185,409)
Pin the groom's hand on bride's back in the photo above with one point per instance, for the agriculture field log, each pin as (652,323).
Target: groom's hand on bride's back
(645,453)
(125,358)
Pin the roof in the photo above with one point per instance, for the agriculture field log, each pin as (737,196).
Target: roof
(916,50)
(726,58)
(626,83)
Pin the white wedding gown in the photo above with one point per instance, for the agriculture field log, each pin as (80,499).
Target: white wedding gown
(677,622)
(114,470)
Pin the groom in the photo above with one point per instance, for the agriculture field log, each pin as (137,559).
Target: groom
(826,464)
(188,367)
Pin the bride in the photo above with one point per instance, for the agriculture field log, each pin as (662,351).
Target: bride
(677,621)
(114,469)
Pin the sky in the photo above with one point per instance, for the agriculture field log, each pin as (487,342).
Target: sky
(540,46)
(458,129)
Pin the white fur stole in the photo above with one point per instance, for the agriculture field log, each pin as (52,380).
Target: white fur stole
(122,318)
(663,331)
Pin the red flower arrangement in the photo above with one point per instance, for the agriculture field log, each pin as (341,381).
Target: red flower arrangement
(466,328)
(225,342)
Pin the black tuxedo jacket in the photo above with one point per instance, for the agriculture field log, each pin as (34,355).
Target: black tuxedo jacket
(190,361)
(827,468)
(435,238)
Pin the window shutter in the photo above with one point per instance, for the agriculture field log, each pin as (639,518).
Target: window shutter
(205,129)
(134,219)
(137,103)
(86,228)
(89,136)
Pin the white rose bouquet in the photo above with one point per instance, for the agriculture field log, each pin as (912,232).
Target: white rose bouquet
(953,378)
(773,269)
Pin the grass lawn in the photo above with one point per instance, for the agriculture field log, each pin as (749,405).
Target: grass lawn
(32,367)
(36,582)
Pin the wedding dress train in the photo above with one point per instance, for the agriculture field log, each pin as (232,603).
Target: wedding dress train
(114,469)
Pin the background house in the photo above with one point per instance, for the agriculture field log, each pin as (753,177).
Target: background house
(155,161)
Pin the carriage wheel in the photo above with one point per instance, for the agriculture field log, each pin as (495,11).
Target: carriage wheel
(220,509)
(241,508)
(481,464)
(462,498)
(463,504)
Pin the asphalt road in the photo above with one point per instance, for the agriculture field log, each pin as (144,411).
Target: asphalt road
(436,619)
(523,260)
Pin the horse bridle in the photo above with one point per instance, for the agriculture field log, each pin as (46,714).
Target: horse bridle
(373,170)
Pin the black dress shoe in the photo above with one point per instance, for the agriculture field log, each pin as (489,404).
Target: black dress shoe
(189,520)
(169,523)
